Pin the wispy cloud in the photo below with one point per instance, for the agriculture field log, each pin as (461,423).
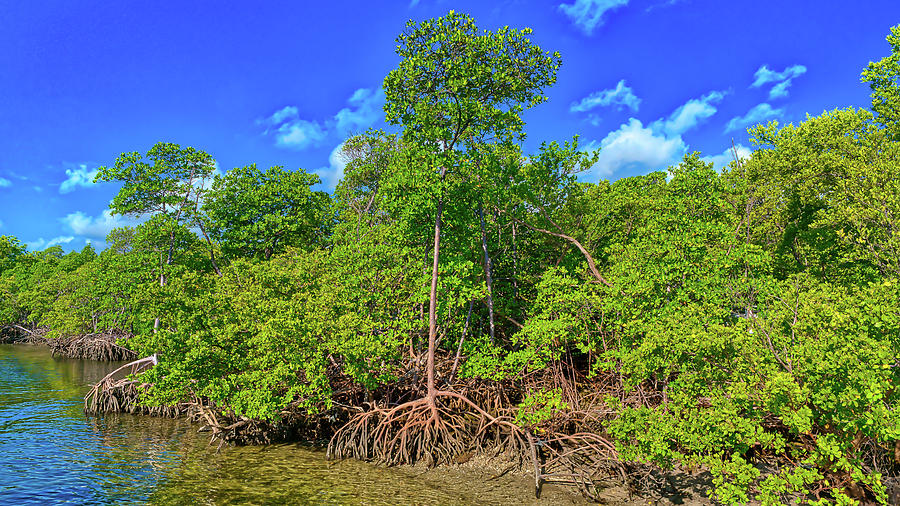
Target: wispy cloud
(620,96)
(783,79)
(97,227)
(722,160)
(588,14)
(5,183)
(42,244)
(290,131)
(690,114)
(280,116)
(759,113)
(664,3)
(299,134)
(365,108)
(78,177)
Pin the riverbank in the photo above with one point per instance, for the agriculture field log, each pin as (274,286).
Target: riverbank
(52,452)
(42,407)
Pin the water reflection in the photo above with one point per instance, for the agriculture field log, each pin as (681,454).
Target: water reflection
(50,452)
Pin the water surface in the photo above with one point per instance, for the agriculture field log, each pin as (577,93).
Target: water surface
(50,452)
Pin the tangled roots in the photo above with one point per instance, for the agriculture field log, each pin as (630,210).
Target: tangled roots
(433,430)
(118,393)
(91,347)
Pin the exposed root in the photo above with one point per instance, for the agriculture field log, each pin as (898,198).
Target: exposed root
(118,393)
(227,427)
(92,347)
(433,430)
(584,460)
(17,334)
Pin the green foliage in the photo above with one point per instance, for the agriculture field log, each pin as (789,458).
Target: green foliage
(454,83)
(259,214)
(10,251)
(540,407)
(168,182)
(823,197)
(883,77)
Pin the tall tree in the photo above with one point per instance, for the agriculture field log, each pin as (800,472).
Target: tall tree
(169,185)
(455,86)
(11,249)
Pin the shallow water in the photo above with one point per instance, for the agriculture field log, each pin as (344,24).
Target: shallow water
(50,452)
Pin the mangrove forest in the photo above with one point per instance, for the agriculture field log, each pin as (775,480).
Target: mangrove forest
(458,296)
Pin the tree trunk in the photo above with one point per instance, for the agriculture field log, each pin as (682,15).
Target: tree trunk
(487,272)
(587,256)
(432,298)
(212,255)
(460,345)
(515,255)
(162,274)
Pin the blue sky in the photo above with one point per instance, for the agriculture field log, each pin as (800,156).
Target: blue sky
(283,83)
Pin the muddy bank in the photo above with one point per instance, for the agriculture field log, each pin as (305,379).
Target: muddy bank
(491,476)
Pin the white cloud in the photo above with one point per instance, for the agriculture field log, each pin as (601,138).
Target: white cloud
(365,108)
(588,14)
(78,177)
(5,183)
(42,244)
(722,160)
(299,134)
(594,119)
(290,130)
(332,174)
(634,145)
(97,227)
(690,114)
(655,146)
(619,96)
(783,79)
(757,114)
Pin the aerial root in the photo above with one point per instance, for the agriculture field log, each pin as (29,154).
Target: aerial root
(432,430)
(118,393)
(101,346)
(17,334)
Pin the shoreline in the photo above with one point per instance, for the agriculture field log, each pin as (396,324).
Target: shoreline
(490,473)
